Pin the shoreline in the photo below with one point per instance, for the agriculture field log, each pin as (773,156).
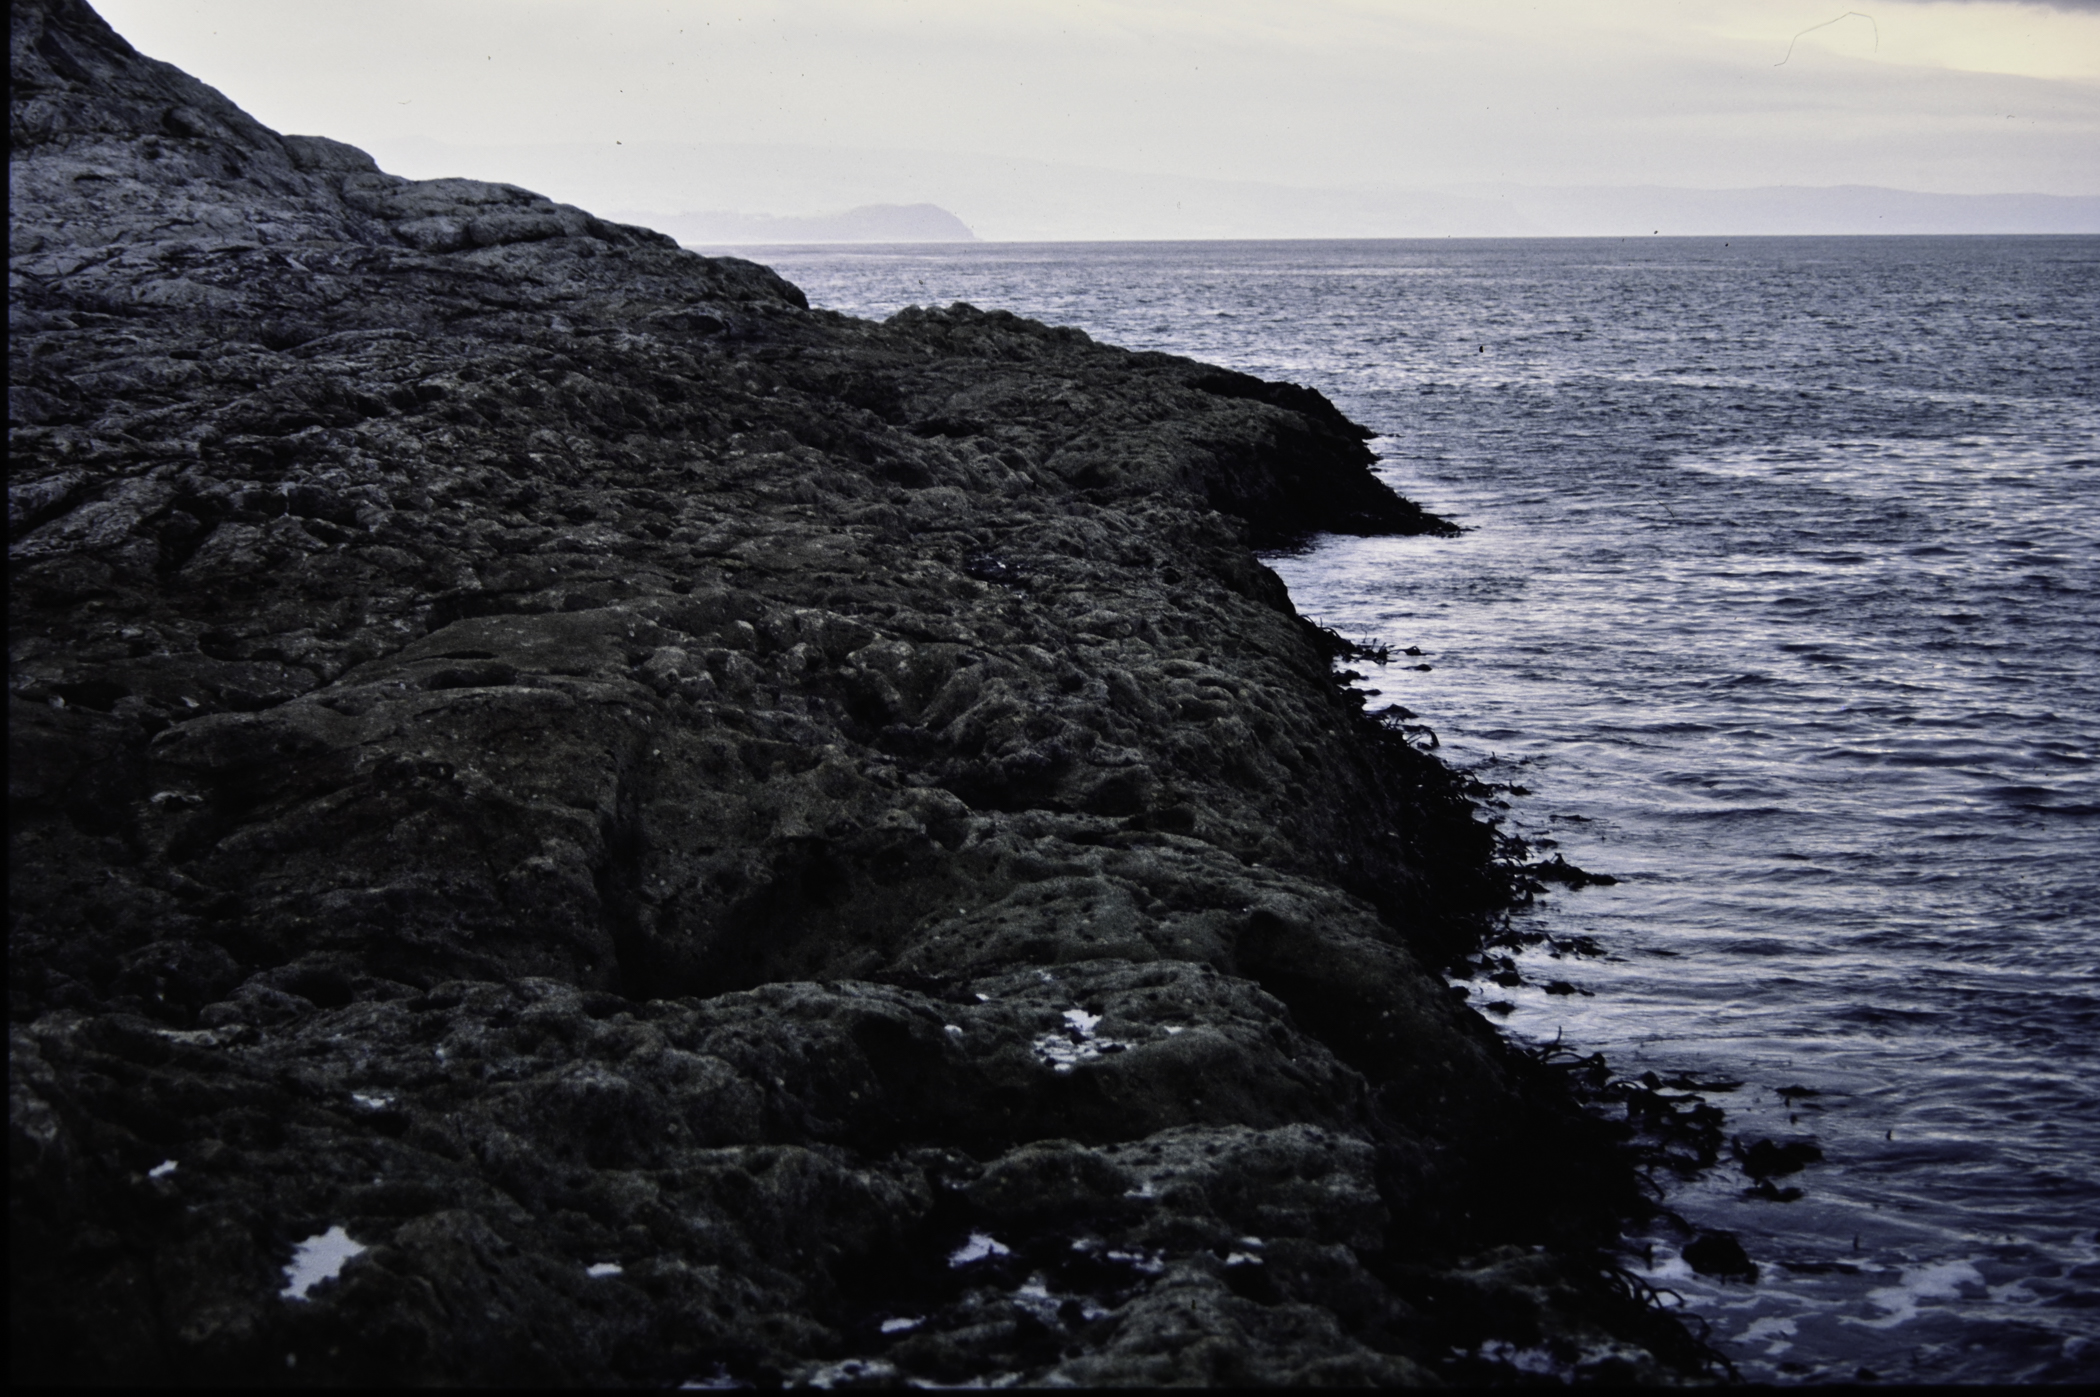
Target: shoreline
(709,838)
(1003,244)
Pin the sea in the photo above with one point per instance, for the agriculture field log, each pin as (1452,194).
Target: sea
(1778,600)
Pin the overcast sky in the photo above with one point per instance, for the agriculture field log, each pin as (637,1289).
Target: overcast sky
(1969,97)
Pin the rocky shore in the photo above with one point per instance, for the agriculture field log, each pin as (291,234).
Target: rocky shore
(575,820)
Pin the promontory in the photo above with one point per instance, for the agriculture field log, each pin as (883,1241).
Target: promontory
(574,819)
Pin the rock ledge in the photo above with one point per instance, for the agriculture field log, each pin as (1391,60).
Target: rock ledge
(573,819)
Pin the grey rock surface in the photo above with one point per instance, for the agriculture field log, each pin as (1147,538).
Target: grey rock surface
(701,839)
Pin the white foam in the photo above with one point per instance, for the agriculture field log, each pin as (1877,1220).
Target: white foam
(1668,1266)
(318,1258)
(1942,1281)
(1777,1328)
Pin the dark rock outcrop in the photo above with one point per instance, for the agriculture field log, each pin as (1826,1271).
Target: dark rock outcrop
(699,837)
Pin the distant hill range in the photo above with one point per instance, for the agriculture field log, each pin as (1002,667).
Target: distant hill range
(905,196)
(1629,210)
(870,223)
(1124,207)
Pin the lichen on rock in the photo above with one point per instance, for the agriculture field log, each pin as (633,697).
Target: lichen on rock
(649,816)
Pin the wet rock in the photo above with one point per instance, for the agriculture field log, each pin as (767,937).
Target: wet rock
(1558,870)
(1719,1254)
(1769,1159)
(699,838)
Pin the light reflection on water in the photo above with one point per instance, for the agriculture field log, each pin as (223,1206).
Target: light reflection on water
(1780,594)
(1838,857)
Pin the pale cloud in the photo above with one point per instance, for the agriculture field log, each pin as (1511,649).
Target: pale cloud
(1954,97)
(1977,36)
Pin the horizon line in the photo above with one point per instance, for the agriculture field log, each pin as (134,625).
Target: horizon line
(1376,238)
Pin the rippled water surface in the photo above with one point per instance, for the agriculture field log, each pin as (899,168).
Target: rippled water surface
(1780,596)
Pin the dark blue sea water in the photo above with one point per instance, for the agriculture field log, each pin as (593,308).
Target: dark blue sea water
(1780,594)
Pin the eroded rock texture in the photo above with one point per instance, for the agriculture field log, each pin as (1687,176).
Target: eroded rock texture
(711,839)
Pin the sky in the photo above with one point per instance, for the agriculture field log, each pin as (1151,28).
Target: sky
(1955,96)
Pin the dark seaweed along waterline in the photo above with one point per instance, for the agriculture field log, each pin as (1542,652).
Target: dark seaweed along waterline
(1777,600)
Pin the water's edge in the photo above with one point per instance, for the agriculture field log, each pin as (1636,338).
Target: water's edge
(1776,600)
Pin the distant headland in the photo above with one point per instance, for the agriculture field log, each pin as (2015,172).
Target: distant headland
(1007,199)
